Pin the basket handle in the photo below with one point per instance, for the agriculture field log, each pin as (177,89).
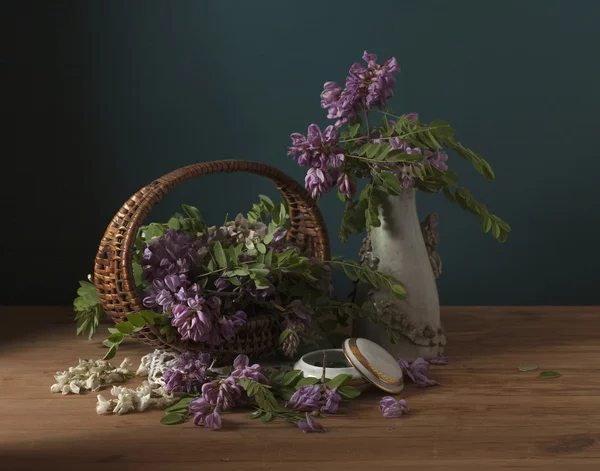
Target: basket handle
(113,271)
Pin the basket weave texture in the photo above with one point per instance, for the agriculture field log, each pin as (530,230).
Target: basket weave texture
(113,272)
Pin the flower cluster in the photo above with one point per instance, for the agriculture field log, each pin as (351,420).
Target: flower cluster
(170,262)
(418,370)
(189,373)
(224,394)
(322,153)
(391,408)
(313,398)
(398,154)
(366,87)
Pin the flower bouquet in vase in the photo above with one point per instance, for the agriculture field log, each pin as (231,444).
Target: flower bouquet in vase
(395,155)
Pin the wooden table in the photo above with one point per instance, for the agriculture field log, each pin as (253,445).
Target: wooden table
(487,415)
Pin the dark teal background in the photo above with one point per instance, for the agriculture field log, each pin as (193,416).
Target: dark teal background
(102,97)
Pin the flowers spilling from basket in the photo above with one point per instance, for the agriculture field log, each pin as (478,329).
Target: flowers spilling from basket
(399,153)
(201,283)
(190,388)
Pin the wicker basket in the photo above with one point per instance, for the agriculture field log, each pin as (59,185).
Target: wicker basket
(113,272)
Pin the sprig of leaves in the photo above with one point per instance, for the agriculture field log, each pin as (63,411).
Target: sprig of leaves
(88,310)
(178,412)
(377,160)
(261,393)
(134,323)
(357,272)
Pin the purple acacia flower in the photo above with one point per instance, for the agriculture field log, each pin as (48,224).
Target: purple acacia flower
(192,324)
(317,149)
(243,369)
(174,253)
(227,325)
(368,87)
(306,398)
(213,420)
(310,425)
(222,283)
(224,393)
(332,401)
(199,408)
(189,373)
(347,185)
(298,314)
(391,408)
(438,159)
(318,181)
(417,372)
(381,79)
(412,117)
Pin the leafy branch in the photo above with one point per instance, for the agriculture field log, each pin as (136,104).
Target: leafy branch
(88,310)
(357,272)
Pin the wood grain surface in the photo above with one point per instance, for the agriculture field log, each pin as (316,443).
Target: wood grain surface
(487,415)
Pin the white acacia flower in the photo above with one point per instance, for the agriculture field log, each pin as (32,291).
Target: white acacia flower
(103,406)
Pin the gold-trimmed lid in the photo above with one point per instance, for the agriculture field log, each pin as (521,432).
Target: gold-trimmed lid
(375,364)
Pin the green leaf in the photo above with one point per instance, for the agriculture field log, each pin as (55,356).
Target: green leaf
(399,291)
(372,149)
(235,282)
(269,258)
(391,182)
(256,414)
(528,368)
(115,338)
(172,419)
(353,130)
(504,225)
(112,351)
(267,202)
(269,238)
(549,374)
(267,417)
(364,148)
(307,381)
(348,392)
(495,230)
(284,335)
(282,214)
(149,316)
(487,171)
(183,404)
(449,195)
(450,177)
(328,325)
(174,224)
(385,124)
(261,248)
(349,273)
(338,381)
(136,319)
(290,377)
(220,255)
(153,230)
(191,212)
(277,377)
(441,128)
(125,327)
(112,330)
(262,283)
(83,326)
